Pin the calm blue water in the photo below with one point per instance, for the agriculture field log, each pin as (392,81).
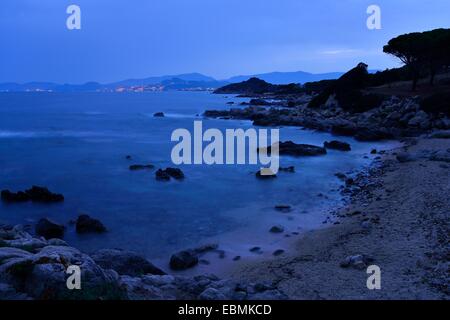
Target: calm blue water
(76,144)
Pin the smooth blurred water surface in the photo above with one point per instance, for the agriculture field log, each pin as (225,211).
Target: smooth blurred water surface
(76,144)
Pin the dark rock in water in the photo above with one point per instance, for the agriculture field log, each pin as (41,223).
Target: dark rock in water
(8,196)
(265,177)
(283,208)
(183,260)
(278,252)
(290,169)
(86,224)
(168,173)
(337,145)
(258,102)
(159,114)
(277,229)
(290,148)
(42,194)
(35,194)
(125,262)
(255,249)
(136,167)
(162,175)
(128,157)
(175,173)
(237,258)
(49,229)
(341,176)
(374,151)
(230,103)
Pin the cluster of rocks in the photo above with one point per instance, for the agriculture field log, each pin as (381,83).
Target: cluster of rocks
(36,268)
(34,194)
(49,229)
(394,118)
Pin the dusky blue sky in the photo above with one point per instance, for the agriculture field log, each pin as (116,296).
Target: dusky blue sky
(123,39)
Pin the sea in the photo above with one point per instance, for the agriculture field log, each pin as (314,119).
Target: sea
(77,144)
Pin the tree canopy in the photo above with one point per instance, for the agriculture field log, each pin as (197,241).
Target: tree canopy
(421,51)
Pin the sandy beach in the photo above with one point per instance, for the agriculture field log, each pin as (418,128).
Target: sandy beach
(399,218)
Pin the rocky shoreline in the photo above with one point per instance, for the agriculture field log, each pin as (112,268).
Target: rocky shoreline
(391,220)
(34,267)
(395,118)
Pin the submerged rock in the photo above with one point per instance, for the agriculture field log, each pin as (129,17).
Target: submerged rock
(135,167)
(183,260)
(337,145)
(158,114)
(86,224)
(283,207)
(277,229)
(49,229)
(290,169)
(125,262)
(278,252)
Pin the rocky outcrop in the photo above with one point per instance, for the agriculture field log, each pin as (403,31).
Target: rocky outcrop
(42,273)
(48,229)
(158,114)
(125,262)
(35,194)
(86,224)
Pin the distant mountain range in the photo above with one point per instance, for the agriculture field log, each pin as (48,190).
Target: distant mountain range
(188,81)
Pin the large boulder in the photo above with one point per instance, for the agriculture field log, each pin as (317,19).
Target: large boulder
(125,262)
(44,275)
(183,260)
(86,224)
(48,229)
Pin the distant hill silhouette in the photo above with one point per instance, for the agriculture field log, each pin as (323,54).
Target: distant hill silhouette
(288,77)
(170,82)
